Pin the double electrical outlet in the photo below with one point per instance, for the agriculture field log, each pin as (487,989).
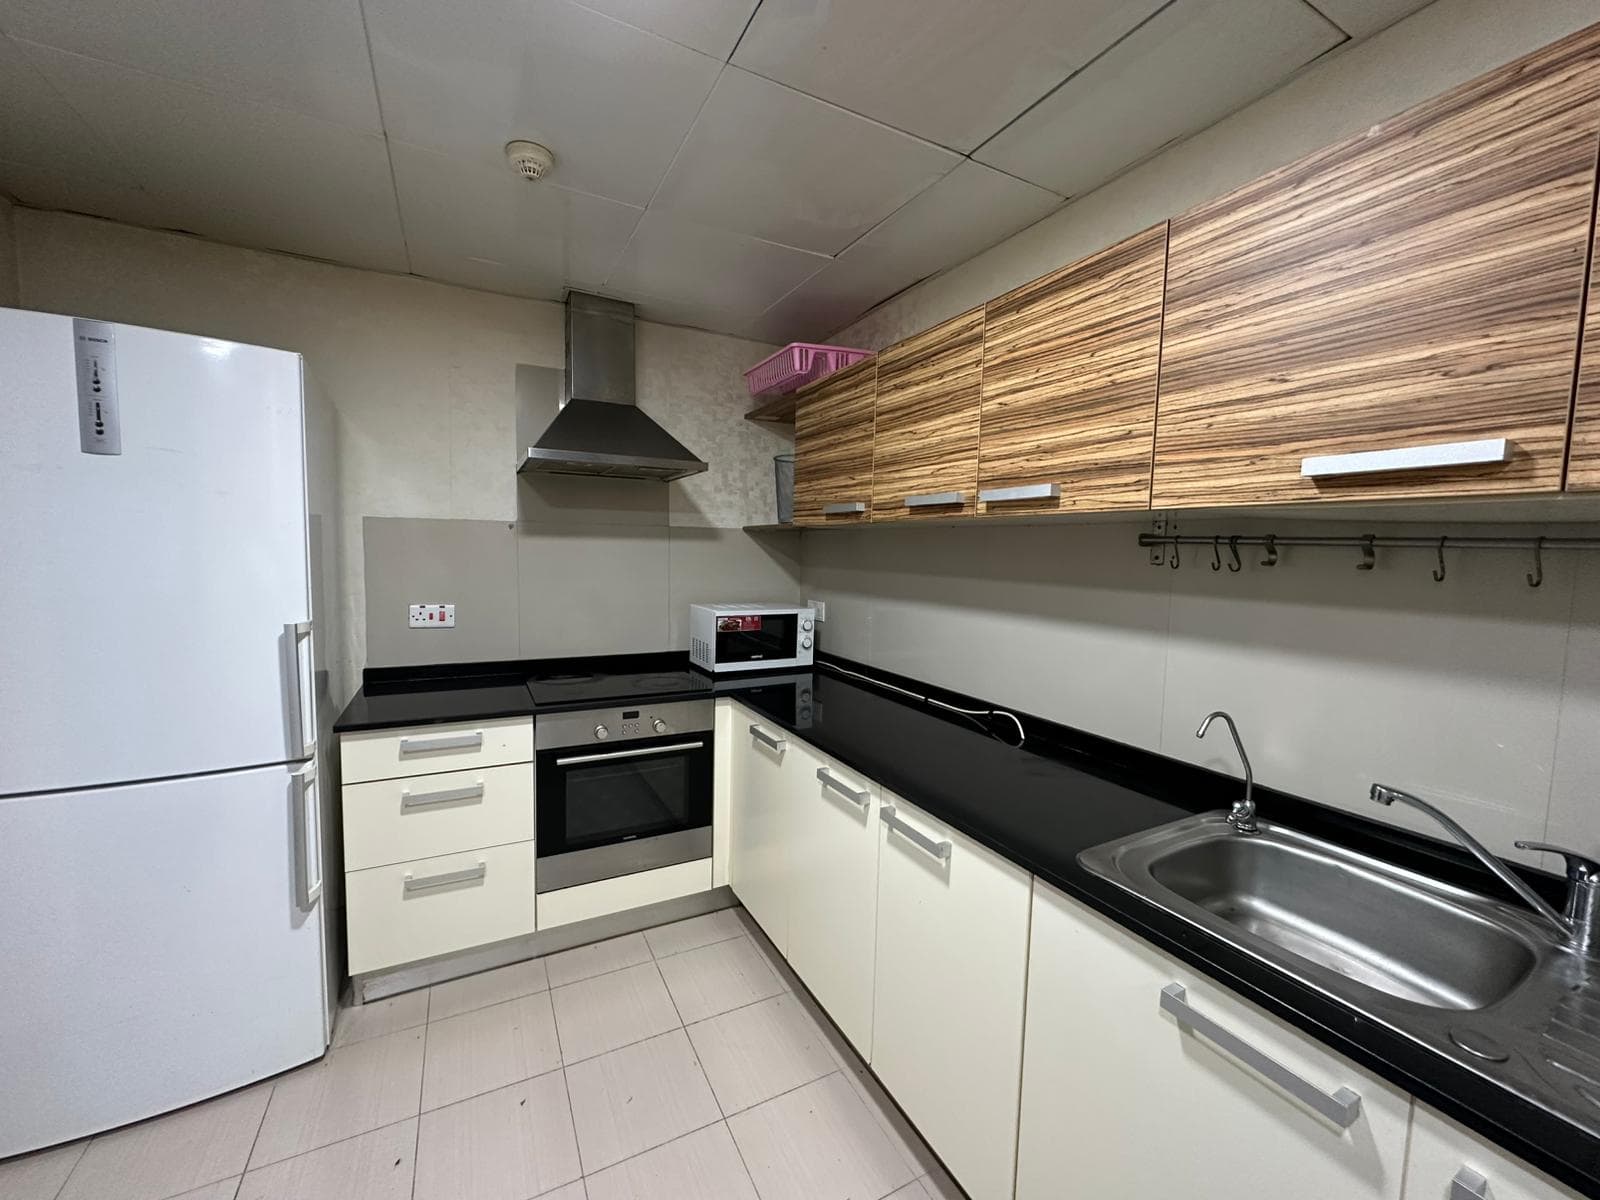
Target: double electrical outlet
(433,616)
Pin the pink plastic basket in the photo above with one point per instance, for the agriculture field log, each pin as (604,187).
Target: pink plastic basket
(796,364)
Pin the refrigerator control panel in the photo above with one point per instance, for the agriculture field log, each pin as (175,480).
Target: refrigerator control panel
(94,344)
(433,616)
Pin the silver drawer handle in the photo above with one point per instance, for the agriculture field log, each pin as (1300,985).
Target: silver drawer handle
(935,499)
(453,741)
(1469,1185)
(844,507)
(470,875)
(1027,491)
(766,739)
(939,850)
(447,796)
(1409,458)
(640,753)
(864,799)
(1342,1108)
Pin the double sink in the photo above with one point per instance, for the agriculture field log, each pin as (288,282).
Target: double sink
(1487,984)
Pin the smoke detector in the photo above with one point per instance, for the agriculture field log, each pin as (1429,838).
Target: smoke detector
(529,159)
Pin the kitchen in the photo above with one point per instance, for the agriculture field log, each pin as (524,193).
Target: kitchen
(940,893)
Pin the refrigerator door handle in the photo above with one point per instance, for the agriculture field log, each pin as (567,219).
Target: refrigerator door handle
(304,684)
(307,836)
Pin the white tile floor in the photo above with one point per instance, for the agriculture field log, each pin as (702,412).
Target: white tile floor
(681,1063)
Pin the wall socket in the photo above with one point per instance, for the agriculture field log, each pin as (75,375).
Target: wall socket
(821,607)
(433,616)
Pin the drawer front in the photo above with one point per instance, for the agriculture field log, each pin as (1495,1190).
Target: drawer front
(397,820)
(409,911)
(430,749)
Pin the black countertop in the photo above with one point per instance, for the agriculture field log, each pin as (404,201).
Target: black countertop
(1067,791)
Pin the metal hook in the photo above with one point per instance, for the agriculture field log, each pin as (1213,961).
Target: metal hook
(1216,552)
(1438,572)
(1271,541)
(1536,576)
(1369,557)
(1233,549)
(1173,561)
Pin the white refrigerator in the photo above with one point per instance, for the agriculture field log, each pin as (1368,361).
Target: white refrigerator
(161,931)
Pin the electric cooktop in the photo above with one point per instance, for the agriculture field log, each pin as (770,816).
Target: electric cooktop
(603,687)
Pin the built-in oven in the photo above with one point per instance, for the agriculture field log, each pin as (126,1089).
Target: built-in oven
(622,790)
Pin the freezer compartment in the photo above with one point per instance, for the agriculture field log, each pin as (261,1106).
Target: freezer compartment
(162,943)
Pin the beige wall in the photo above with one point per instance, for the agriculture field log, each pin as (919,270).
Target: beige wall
(1479,693)
(9,294)
(413,398)
(1429,52)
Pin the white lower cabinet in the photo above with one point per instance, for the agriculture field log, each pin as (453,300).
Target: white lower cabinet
(758,844)
(1121,1101)
(833,852)
(952,957)
(1443,1153)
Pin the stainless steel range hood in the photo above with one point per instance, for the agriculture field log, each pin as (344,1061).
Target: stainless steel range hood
(600,430)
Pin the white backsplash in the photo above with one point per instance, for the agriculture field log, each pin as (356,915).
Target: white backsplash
(1479,693)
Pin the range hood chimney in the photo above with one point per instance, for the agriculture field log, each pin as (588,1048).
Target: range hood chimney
(600,429)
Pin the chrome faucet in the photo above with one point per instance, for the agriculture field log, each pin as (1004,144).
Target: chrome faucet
(1242,816)
(1579,926)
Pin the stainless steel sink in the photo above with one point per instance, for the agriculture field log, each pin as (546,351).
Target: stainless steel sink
(1482,982)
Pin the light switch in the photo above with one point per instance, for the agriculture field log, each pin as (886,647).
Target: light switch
(433,616)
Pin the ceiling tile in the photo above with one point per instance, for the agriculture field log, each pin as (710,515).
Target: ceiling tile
(613,102)
(966,212)
(481,226)
(96,193)
(1187,68)
(238,172)
(770,162)
(306,55)
(951,71)
(710,26)
(1363,18)
(708,269)
(37,126)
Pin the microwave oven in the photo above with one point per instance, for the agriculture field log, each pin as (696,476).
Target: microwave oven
(750,637)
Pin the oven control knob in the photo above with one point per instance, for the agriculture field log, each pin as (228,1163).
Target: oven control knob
(806,625)
(805,643)
(658,725)
(601,732)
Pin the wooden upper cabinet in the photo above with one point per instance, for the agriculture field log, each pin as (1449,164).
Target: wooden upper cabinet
(1069,384)
(925,447)
(1583,467)
(1418,284)
(833,447)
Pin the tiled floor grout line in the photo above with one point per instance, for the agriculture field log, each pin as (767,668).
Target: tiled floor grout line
(75,1163)
(260,1125)
(422,1078)
(325,1146)
(649,1149)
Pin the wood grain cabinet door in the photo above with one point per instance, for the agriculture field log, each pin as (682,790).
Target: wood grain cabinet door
(833,447)
(925,446)
(1069,384)
(1583,464)
(1416,285)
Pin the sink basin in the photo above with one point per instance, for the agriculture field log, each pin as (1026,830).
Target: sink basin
(1350,922)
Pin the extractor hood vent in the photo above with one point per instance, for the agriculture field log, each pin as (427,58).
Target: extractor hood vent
(599,429)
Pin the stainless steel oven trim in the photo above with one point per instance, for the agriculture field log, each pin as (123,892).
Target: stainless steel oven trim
(568,730)
(575,867)
(640,752)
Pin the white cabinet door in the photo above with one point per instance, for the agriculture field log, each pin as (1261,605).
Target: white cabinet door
(758,850)
(1124,1103)
(952,958)
(834,901)
(1442,1151)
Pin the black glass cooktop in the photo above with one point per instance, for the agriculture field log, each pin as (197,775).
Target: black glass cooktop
(605,686)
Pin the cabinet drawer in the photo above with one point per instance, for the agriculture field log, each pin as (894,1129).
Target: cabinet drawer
(394,820)
(415,910)
(428,749)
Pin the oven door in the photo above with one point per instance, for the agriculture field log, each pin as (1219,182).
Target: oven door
(757,638)
(610,811)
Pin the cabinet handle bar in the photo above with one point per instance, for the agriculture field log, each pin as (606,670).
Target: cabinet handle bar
(935,499)
(863,798)
(470,875)
(1342,1108)
(844,507)
(446,796)
(1026,491)
(938,850)
(1409,458)
(452,741)
(766,739)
